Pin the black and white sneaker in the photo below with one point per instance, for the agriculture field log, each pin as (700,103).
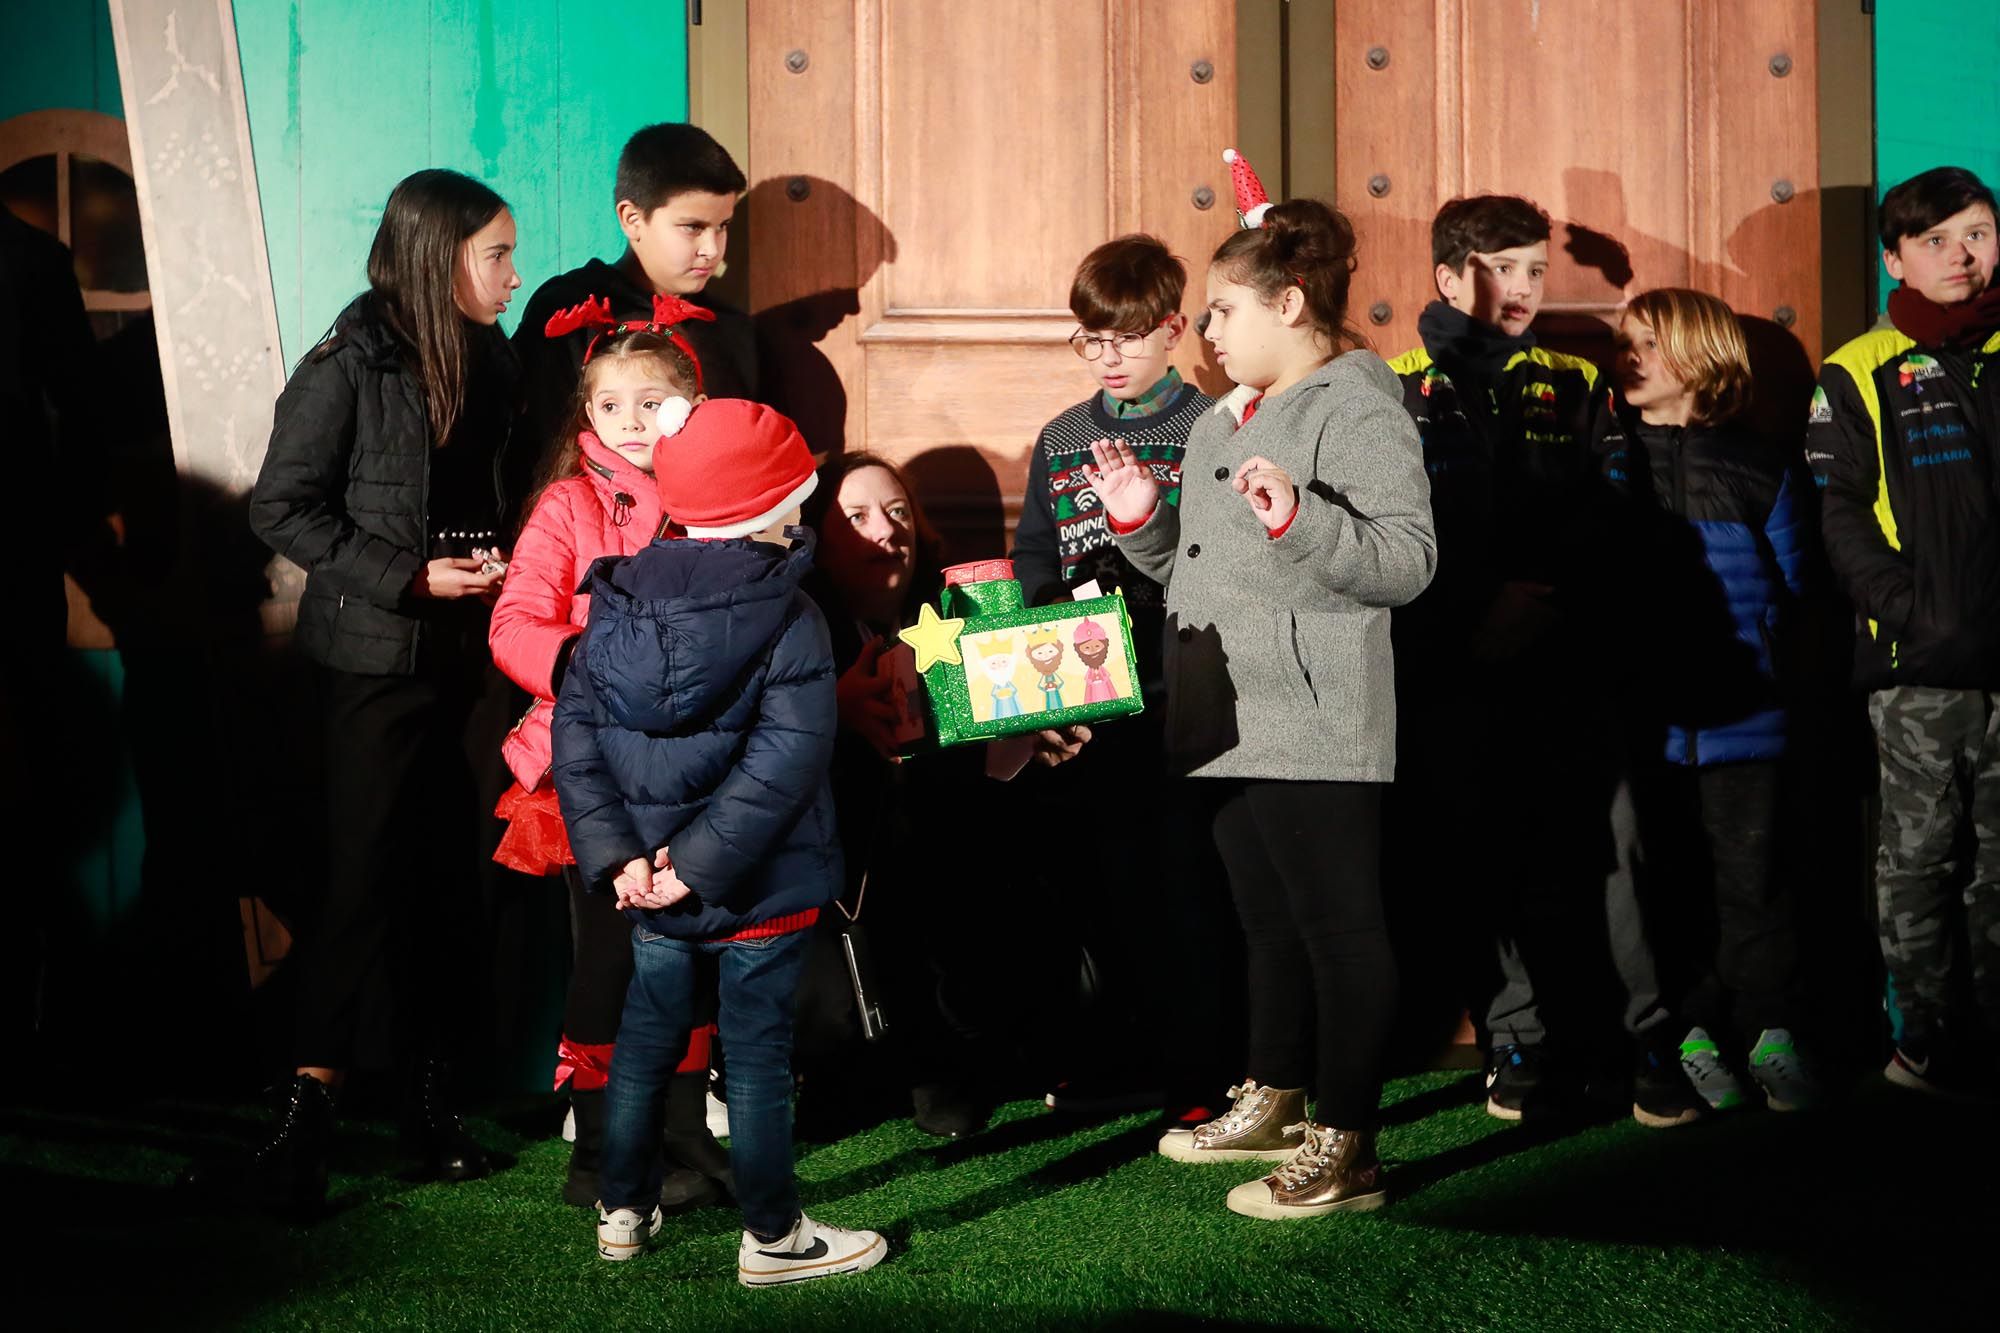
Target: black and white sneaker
(1517,1082)
(1938,1069)
(623,1232)
(811,1249)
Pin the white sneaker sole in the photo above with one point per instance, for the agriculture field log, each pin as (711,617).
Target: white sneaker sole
(1253,1199)
(805,1272)
(1180,1146)
(620,1250)
(1651,1121)
(1499,1112)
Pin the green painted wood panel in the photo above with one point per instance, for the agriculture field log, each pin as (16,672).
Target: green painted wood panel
(535,97)
(57,55)
(1936,100)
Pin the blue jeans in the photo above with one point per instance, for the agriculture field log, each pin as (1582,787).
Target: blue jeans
(759,982)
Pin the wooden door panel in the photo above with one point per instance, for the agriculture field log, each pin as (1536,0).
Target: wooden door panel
(1659,136)
(994,152)
(926,178)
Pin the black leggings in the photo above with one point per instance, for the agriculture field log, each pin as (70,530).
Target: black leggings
(1304,863)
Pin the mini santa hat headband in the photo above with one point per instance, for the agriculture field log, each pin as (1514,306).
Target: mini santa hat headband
(595,312)
(1252,203)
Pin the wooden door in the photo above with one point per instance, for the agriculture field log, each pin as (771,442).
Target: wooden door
(1673,142)
(925,177)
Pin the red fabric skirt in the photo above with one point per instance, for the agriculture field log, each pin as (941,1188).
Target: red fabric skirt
(535,843)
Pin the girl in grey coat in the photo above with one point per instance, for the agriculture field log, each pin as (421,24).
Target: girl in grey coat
(1304,517)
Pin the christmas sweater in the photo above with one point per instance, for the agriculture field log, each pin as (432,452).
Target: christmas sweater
(1063,540)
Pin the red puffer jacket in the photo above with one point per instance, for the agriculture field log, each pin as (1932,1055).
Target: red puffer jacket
(613,508)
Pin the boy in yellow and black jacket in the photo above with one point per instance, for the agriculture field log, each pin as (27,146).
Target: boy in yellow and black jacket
(1509,732)
(1902,441)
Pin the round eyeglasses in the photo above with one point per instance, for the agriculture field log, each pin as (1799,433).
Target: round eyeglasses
(1091,347)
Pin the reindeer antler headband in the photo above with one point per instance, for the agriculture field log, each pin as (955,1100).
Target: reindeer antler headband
(595,312)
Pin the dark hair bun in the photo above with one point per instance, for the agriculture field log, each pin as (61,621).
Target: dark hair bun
(1307,234)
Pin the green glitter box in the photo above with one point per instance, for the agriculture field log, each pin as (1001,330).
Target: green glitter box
(994,667)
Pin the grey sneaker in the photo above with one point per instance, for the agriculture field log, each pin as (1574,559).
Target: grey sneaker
(623,1232)
(1258,1126)
(811,1249)
(1713,1079)
(1786,1079)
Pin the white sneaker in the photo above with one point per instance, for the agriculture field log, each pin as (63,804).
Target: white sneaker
(623,1232)
(812,1249)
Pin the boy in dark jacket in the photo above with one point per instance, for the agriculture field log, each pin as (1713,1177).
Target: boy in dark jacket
(1722,532)
(1901,442)
(1509,723)
(692,739)
(676,191)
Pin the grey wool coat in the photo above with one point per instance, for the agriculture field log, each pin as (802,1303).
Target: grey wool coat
(1277,650)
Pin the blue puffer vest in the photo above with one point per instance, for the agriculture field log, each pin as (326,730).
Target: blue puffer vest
(1714,589)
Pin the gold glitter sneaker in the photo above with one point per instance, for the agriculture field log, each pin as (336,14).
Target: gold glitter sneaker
(1334,1170)
(1247,1131)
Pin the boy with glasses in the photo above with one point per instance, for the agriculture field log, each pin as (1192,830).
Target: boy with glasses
(1126,297)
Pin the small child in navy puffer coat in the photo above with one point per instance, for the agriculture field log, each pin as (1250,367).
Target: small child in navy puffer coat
(692,740)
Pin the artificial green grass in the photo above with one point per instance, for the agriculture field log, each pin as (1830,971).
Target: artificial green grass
(1874,1212)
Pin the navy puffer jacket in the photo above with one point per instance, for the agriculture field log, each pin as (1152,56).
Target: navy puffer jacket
(698,715)
(1722,563)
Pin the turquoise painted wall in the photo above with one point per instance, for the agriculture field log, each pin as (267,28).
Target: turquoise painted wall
(534,97)
(1928,114)
(67,62)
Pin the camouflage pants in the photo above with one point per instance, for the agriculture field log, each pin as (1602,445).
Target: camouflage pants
(1940,754)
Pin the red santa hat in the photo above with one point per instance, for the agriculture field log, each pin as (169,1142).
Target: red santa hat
(735,468)
(1251,201)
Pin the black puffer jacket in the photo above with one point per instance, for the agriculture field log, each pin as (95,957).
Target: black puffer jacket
(345,487)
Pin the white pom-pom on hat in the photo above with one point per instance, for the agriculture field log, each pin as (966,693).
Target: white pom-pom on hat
(673,414)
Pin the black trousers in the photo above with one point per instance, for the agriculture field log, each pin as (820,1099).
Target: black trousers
(401,913)
(1715,901)
(1304,864)
(601,962)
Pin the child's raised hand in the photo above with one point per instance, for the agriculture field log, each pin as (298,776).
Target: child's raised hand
(1127,489)
(1270,490)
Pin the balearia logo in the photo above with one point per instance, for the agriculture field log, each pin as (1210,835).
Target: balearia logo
(1822,410)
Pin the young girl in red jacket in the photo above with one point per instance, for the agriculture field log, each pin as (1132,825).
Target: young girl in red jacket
(596,498)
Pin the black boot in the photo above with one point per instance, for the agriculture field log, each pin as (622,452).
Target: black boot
(697,1167)
(286,1174)
(444,1150)
(586,1153)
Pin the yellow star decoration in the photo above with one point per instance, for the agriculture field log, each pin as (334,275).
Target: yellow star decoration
(934,638)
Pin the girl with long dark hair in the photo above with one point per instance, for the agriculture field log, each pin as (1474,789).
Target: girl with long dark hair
(381,482)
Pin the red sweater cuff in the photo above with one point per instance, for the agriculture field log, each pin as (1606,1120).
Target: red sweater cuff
(777,925)
(1284,527)
(1125,529)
